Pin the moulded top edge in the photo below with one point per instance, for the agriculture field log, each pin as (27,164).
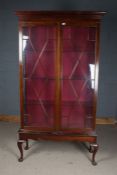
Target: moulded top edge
(31,13)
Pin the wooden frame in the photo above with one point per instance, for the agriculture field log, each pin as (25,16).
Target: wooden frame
(86,18)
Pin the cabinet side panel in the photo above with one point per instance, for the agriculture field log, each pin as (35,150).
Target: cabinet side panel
(21,78)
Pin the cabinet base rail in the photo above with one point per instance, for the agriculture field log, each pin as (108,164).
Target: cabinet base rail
(84,138)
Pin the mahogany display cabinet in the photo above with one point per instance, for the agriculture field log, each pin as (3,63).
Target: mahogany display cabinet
(58,62)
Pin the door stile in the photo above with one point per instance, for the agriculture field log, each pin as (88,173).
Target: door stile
(58,80)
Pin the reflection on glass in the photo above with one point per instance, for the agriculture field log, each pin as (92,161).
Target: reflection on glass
(25,38)
(92,68)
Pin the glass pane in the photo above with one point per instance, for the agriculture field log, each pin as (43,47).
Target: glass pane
(76,115)
(39,49)
(78,76)
(39,115)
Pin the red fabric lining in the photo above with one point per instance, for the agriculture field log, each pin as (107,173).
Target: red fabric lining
(78,53)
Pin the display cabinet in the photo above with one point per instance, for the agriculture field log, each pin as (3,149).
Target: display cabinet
(58,60)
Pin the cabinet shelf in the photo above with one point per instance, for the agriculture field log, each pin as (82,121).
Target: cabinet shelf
(50,102)
(63,51)
(41,78)
(37,102)
(53,78)
(78,51)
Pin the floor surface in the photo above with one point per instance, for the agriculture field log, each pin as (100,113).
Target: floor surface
(57,158)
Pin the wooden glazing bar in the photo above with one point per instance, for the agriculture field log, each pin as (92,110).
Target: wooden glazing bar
(57,81)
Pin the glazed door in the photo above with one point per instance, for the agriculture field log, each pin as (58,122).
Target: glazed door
(39,55)
(78,77)
(59,64)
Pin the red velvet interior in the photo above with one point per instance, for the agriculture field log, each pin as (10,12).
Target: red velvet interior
(39,73)
(78,55)
(77,84)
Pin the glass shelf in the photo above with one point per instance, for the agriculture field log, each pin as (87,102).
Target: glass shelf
(64,51)
(37,102)
(54,78)
(37,77)
(66,103)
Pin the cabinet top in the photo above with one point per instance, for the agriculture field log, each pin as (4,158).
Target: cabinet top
(26,15)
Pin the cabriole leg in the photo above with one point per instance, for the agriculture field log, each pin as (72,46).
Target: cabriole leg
(27,145)
(93,149)
(19,144)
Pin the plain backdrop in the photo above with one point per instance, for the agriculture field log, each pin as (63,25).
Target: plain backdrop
(9,71)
